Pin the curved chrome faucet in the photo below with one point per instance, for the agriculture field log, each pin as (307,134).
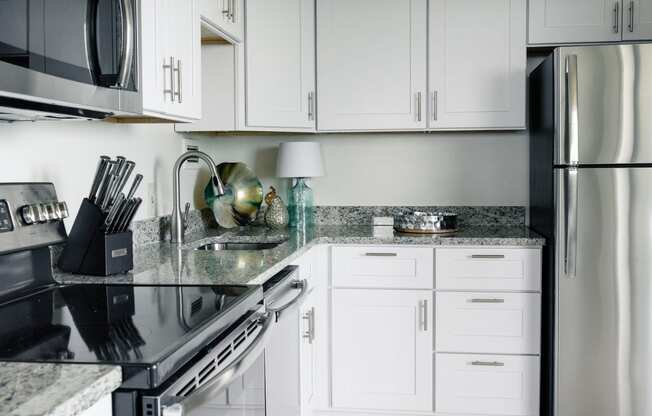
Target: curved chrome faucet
(179,221)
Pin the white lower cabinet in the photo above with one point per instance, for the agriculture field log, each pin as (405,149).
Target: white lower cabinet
(382,350)
(487,385)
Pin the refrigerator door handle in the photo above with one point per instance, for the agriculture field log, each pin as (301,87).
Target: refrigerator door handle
(572,110)
(570,213)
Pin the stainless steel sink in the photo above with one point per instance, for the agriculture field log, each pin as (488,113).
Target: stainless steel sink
(237,246)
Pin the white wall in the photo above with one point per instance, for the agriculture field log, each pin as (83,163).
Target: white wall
(362,169)
(398,169)
(66,153)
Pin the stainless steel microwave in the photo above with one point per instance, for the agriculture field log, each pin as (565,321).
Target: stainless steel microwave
(68,59)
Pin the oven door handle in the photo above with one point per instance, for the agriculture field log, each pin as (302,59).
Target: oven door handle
(128,35)
(182,405)
(302,285)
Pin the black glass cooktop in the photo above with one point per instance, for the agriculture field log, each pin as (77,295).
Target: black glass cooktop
(149,330)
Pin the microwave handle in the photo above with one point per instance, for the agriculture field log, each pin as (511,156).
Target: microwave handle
(235,370)
(128,35)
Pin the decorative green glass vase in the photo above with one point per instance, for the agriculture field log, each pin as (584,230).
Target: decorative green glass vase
(301,205)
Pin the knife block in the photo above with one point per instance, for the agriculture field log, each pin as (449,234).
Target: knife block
(92,252)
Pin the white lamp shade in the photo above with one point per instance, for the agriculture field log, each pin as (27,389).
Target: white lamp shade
(299,160)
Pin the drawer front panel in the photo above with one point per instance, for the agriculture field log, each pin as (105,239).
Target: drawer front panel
(488,269)
(501,323)
(383,267)
(487,385)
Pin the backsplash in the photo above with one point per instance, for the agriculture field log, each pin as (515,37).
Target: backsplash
(157,229)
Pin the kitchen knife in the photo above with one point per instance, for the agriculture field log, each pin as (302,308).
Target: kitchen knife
(132,214)
(134,186)
(121,216)
(97,180)
(124,177)
(112,180)
(104,183)
(114,211)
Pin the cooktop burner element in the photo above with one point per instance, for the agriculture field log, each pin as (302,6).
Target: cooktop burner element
(149,330)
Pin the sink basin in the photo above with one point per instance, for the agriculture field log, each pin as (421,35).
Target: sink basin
(237,246)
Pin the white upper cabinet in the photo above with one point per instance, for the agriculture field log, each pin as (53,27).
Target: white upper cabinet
(477,68)
(171,59)
(382,343)
(371,64)
(280,64)
(564,21)
(224,16)
(637,20)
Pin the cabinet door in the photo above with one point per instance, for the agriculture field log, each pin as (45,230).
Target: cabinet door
(282,367)
(637,20)
(184,44)
(371,62)
(224,16)
(488,93)
(382,350)
(564,21)
(280,63)
(171,59)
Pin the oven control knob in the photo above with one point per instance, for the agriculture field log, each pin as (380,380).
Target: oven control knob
(62,208)
(28,213)
(41,213)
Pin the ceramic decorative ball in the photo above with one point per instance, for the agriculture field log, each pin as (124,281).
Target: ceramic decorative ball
(276,215)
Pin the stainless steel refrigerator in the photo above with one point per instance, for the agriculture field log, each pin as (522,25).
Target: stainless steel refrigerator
(591,197)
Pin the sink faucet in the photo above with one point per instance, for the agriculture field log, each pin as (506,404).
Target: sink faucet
(179,221)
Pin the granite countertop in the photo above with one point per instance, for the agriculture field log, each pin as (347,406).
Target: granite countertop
(30,389)
(165,264)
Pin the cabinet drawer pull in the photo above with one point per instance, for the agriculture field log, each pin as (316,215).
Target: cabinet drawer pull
(487,363)
(179,72)
(380,254)
(487,256)
(419,106)
(309,317)
(311,106)
(487,300)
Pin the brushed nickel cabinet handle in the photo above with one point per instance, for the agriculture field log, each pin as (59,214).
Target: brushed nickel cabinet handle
(179,72)
(631,16)
(487,300)
(309,317)
(434,105)
(419,106)
(226,6)
(487,256)
(380,254)
(617,17)
(311,106)
(172,89)
(423,307)
(487,363)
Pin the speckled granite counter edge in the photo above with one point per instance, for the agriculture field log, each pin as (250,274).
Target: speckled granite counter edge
(95,382)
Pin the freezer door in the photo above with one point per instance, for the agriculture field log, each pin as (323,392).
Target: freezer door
(604,99)
(604,294)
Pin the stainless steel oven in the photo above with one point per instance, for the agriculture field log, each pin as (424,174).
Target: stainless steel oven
(229,377)
(68,58)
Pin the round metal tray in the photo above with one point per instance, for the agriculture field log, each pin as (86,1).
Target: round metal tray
(426,223)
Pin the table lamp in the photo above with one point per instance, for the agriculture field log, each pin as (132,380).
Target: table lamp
(300,160)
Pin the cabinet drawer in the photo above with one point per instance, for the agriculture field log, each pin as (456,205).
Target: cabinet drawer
(488,269)
(383,267)
(487,385)
(501,323)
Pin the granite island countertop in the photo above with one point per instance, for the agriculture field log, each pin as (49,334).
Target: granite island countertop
(33,389)
(166,264)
